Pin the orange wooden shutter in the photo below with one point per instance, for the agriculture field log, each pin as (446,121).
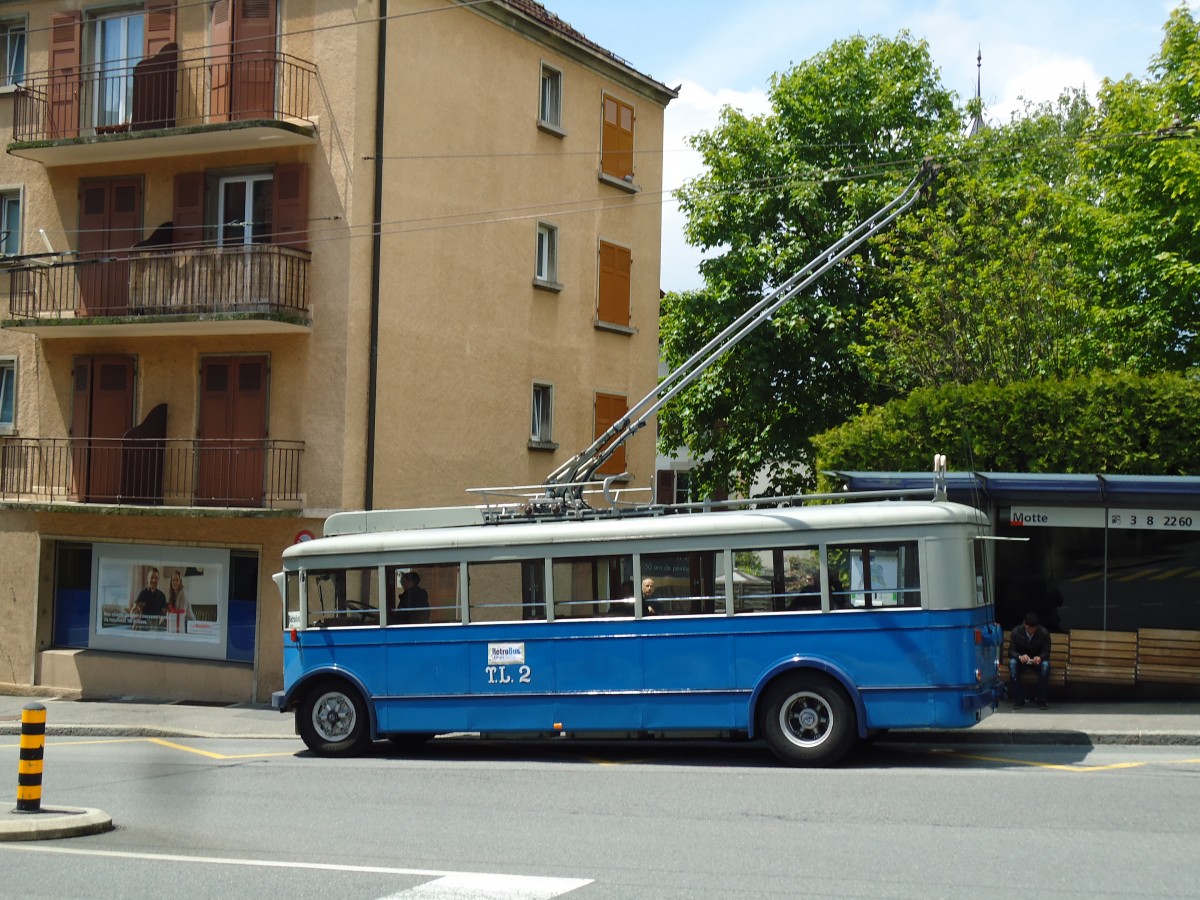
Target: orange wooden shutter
(253,59)
(160,25)
(616,139)
(64,74)
(290,213)
(616,264)
(220,61)
(189,208)
(610,408)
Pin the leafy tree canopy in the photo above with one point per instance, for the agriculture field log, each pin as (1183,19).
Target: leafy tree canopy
(778,189)
(1058,244)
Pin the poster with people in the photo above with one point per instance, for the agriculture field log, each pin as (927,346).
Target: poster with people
(160,599)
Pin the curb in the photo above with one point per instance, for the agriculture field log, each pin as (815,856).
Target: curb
(1042,737)
(53,822)
(9,729)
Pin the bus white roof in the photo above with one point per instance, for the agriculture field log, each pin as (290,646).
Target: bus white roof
(799,519)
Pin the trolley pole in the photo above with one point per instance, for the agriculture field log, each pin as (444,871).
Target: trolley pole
(29,769)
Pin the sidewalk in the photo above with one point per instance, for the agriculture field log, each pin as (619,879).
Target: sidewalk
(1167,722)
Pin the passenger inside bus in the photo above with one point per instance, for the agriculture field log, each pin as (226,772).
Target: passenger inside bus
(413,603)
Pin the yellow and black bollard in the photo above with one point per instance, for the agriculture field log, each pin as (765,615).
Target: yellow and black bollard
(29,770)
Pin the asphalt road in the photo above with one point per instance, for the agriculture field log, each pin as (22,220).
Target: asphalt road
(469,819)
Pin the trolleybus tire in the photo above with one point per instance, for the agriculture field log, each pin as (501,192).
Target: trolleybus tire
(808,720)
(332,719)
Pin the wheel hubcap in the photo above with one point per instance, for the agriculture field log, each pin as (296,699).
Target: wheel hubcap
(806,719)
(333,716)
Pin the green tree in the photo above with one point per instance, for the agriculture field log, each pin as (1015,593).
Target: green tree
(1146,161)
(998,280)
(777,190)
(1081,424)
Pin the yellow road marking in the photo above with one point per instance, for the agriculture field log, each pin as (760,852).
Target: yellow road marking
(1062,767)
(53,743)
(208,753)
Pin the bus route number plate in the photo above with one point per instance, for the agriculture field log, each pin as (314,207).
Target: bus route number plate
(506,663)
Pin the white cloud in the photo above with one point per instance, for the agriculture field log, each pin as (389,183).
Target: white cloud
(696,109)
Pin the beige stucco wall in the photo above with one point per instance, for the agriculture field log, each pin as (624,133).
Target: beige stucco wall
(464,334)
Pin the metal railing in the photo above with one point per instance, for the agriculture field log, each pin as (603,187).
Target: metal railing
(172,89)
(252,474)
(252,278)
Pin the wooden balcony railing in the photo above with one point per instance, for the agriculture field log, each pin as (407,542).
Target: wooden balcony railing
(152,472)
(170,90)
(252,279)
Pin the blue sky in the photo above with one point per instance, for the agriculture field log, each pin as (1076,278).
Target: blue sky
(725,51)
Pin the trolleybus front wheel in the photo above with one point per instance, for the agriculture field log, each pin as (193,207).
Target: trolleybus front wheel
(808,720)
(332,719)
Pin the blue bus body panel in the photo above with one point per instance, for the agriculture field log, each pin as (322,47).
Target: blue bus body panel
(912,668)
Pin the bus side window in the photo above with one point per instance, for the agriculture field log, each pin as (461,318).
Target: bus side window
(340,597)
(507,591)
(591,586)
(779,580)
(874,576)
(684,583)
(435,586)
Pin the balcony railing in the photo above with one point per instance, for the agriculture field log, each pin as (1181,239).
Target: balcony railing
(253,474)
(254,279)
(170,90)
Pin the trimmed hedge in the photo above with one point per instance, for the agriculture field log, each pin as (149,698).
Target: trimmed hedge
(1118,424)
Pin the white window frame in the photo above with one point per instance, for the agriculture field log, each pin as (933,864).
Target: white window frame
(8,382)
(550,101)
(114,72)
(541,419)
(10,242)
(545,259)
(13,31)
(246,214)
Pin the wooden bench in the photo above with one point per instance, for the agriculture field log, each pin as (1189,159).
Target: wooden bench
(1168,656)
(1059,644)
(1104,657)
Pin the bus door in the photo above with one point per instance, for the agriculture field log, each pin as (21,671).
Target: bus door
(688,642)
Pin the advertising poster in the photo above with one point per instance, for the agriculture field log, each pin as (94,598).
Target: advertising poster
(166,600)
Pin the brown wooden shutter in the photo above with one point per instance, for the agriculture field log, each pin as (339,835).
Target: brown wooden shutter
(221,62)
(616,138)
(125,213)
(610,408)
(290,213)
(616,265)
(93,244)
(101,413)
(233,424)
(253,59)
(65,39)
(160,26)
(188,215)
(664,486)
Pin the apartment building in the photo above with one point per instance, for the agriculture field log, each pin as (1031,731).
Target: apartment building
(270,259)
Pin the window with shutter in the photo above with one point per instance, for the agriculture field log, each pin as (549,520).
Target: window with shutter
(616,139)
(609,409)
(616,264)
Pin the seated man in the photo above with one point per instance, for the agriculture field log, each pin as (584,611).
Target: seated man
(1029,648)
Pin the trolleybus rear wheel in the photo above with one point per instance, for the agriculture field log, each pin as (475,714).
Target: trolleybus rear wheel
(808,720)
(332,719)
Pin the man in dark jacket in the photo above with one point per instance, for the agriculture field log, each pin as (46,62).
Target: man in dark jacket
(1028,648)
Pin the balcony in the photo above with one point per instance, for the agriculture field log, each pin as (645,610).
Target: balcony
(166,472)
(171,104)
(251,288)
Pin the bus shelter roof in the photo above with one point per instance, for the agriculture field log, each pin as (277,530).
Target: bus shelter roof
(1025,487)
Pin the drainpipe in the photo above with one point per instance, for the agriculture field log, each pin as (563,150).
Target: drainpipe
(376,261)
